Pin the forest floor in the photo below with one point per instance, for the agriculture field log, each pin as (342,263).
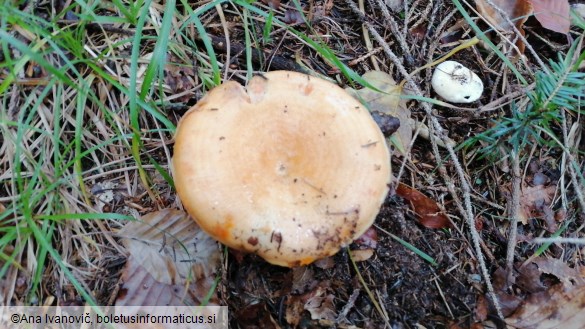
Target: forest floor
(91,95)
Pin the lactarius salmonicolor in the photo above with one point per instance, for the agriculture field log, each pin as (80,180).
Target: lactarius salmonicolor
(291,167)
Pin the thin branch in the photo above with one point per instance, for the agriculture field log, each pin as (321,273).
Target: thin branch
(513,210)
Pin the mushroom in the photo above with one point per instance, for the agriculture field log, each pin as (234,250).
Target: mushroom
(456,83)
(291,168)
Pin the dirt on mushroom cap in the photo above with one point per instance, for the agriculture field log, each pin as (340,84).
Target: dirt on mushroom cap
(291,168)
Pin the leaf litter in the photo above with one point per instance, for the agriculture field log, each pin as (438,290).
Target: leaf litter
(258,292)
(171,261)
(387,101)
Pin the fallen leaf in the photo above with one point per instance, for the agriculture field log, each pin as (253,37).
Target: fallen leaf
(273,4)
(320,305)
(388,102)
(560,270)
(292,17)
(361,255)
(481,308)
(428,212)
(561,306)
(517,10)
(295,305)
(535,202)
(181,79)
(303,280)
(171,261)
(529,279)
(553,15)
(508,302)
(325,263)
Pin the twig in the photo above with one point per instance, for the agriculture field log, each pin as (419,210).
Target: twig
(513,210)
(399,35)
(468,211)
(559,240)
(572,163)
(504,100)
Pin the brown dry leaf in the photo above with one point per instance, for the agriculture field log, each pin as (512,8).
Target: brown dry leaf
(529,279)
(559,269)
(388,102)
(294,309)
(171,261)
(181,79)
(293,16)
(481,308)
(553,14)
(303,280)
(428,212)
(320,305)
(535,202)
(318,302)
(361,255)
(561,306)
(273,4)
(518,11)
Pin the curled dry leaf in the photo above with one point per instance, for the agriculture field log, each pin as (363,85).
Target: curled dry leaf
(388,102)
(318,302)
(320,305)
(273,4)
(170,261)
(561,306)
(518,11)
(180,79)
(366,244)
(428,212)
(559,269)
(292,17)
(361,255)
(535,202)
(553,14)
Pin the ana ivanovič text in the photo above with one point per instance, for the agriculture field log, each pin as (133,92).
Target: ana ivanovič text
(113,318)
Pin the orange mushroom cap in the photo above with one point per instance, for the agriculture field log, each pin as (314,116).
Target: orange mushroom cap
(291,168)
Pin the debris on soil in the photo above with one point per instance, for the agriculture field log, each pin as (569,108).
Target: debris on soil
(535,202)
(428,212)
(171,261)
(518,11)
(547,286)
(387,100)
(322,295)
(560,306)
(553,14)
